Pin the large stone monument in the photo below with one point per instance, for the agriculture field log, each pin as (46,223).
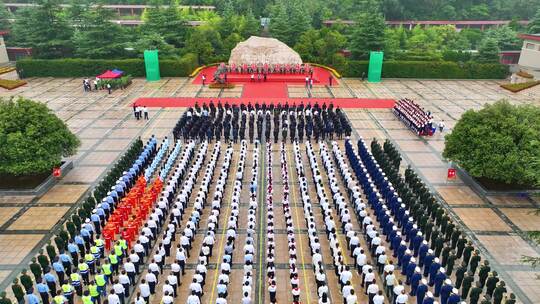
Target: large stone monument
(260,50)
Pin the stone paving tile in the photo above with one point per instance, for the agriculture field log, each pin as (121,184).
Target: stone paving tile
(363,124)
(524,218)
(438,175)
(425,159)
(11,199)
(124,133)
(438,145)
(63,194)
(508,200)
(92,133)
(13,248)
(6,213)
(413,146)
(483,219)
(87,143)
(507,249)
(113,144)
(81,174)
(48,217)
(402,134)
(528,282)
(105,123)
(459,195)
(100,158)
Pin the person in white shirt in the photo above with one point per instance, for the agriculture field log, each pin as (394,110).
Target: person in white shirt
(193,298)
(372,290)
(139,299)
(246,299)
(167,299)
(145,290)
(402,298)
(113,298)
(379,298)
(351,298)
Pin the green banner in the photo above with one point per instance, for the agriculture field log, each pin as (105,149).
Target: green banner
(151,63)
(375,66)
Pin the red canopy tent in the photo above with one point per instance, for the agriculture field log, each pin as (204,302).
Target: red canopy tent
(109,75)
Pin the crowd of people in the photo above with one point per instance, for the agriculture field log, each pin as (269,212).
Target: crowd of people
(261,68)
(291,122)
(416,118)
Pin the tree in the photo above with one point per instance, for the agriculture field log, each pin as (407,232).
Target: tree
(368,34)
(506,37)
(279,23)
(5,24)
(33,139)
(153,41)
(199,44)
(98,37)
(488,51)
(500,142)
(45,29)
(534,25)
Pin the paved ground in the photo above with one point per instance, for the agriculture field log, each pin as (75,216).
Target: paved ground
(106,127)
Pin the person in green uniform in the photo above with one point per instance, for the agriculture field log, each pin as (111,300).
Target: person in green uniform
(94,250)
(450,262)
(491,283)
(467,284)
(460,245)
(26,281)
(434,237)
(18,291)
(124,245)
(467,252)
(511,299)
(429,229)
(486,300)
(94,292)
(439,243)
(87,298)
(474,296)
(100,245)
(4,299)
(483,272)
(499,292)
(35,268)
(118,251)
(460,274)
(91,262)
(444,255)
(51,251)
(59,298)
(475,260)
(43,260)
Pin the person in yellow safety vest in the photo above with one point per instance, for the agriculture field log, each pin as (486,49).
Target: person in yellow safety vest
(67,289)
(100,245)
(59,298)
(76,281)
(114,262)
(87,298)
(107,270)
(101,281)
(124,245)
(83,270)
(91,261)
(94,293)
(94,250)
(118,251)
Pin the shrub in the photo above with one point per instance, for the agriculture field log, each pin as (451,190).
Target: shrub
(500,142)
(517,87)
(118,83)
(32,138)
(432,69)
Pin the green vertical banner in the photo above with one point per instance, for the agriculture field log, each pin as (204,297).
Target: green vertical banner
(375,66)
(151,63)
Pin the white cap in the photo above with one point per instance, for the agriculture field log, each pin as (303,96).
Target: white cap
(436,260)
(99,205)
(415,226)
(87,220)
(94,211)
(419,233)
(399,233)
(442,270)
(424,281)
(403,243)
(413,260)
(417,269)
(402,205)
(424,242)
(429,294)
(448,281)
(408,251)
(454,290)
(435,302)
(430,251)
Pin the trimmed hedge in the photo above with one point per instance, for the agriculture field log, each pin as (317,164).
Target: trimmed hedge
(432,69)
(93,67)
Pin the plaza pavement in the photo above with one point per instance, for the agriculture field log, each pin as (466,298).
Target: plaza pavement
(106,126)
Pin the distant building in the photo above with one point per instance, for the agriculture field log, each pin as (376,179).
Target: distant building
(529,61)
(459,24)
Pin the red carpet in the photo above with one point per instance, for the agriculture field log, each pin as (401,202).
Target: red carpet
(352,103)
(265,90)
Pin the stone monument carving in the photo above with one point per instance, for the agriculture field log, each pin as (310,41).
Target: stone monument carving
(261,50)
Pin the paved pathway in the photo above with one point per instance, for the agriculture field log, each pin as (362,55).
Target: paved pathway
(105,125)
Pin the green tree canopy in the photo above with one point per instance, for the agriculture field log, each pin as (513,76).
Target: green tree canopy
(500,142)
(4,16)
(369,34)
(32,138)
(534,25)
(45,29)
(488,50)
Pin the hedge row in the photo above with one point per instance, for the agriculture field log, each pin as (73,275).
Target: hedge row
(184,66)
(432,69)
(93,67)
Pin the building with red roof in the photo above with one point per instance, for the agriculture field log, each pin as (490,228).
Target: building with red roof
(529,60)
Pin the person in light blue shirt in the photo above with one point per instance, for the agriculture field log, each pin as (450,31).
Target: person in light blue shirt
(74,252)
(94,217)
(79,241)
(43,291)
(31,298)
(50,279)
(59,269)
(86,237)
(66,262)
